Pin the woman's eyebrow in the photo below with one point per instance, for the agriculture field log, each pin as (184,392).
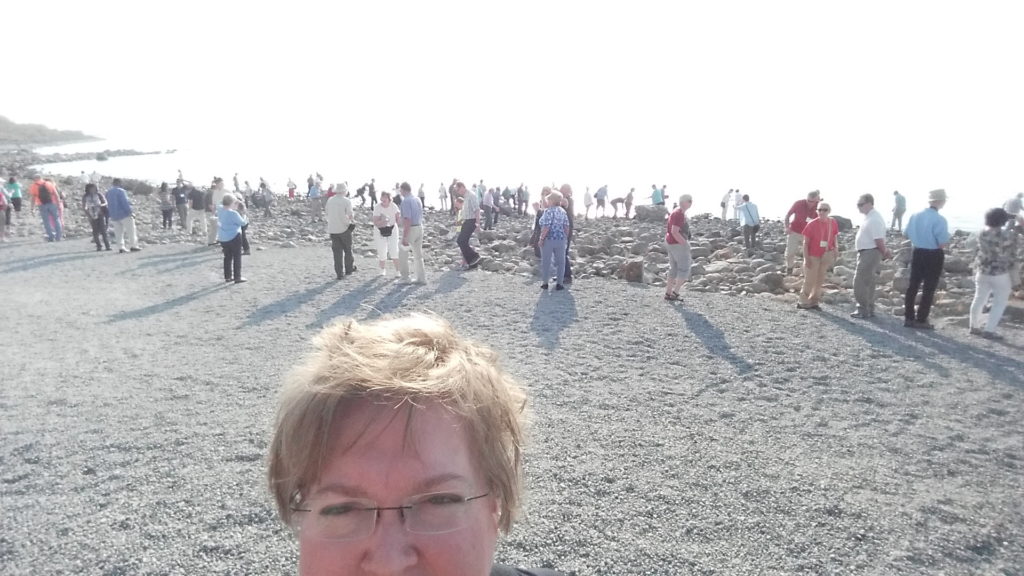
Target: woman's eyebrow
(343,489)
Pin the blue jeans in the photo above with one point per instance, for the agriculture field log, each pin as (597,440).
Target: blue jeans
(552,249)
(51,221)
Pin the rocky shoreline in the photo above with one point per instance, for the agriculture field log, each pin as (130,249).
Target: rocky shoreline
(631,250)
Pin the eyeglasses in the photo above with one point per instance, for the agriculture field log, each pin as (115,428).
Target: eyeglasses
(355,518)
(859,204)
(822,209)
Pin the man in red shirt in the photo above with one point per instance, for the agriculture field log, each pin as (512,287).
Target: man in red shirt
(821,248)
(802,212)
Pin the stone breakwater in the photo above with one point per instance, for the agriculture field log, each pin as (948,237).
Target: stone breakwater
(632,250)
(20,162)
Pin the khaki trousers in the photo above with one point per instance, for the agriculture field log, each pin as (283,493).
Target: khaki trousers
(815,270)
(868,263)
(416,247)
(794,246)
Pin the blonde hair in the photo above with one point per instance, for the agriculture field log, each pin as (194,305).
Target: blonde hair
(555,198)
(405,360)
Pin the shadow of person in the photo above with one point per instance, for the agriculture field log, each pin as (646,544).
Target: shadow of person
(285,305)
(165,306)
(553,313)
(713,339)
(348,303)
(887,340)
(450,281)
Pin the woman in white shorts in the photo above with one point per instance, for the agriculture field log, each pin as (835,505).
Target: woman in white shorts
(385,232)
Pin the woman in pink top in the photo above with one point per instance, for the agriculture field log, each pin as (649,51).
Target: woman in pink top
(821,248)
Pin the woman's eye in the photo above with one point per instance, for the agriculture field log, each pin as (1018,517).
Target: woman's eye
(442,499)
(339,509)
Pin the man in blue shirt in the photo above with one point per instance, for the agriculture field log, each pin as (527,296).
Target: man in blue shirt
(411,211)
(929,233)
(120,209)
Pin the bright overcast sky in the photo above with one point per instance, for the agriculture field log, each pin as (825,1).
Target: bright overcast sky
(812,91)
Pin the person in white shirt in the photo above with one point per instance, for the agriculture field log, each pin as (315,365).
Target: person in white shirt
(750,220)
(725,203)
(737,200)
(442,194)
(217,199)
(870,244)
(487,204)
(385,235)
(340,226)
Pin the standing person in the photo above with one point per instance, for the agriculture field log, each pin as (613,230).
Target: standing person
(737,200)
(677,241)
(412,235)
(998,249)
(629,202)
(166,207)
(267,198)
(422,196)
(371,189)
(214,201)
(180,195)
(821,248)
(452,197)
(120,209)
(496,205)
(46,197)
(750,219)
(235,182)
(588,201)
(315,204)
(725,203)
(486,204)
(522,197)
(196,211)
(570,212)
(229,234)
(442,196)
(802,212)
(929,235)
(291,189)
(871,250)
(93,204)
(601,197)
(14,193)
(5,210)
(6,216)
(898,210)
(339,216)
(469,216)
(554,234)
(385,237)
(657,196)
(1014,207)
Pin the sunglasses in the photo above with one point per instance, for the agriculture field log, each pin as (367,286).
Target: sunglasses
(822,209)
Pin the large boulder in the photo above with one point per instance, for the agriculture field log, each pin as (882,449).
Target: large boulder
(651,213)
(633,270)
(772,280)
(845,224)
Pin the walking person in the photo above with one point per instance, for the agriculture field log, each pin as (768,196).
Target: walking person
(469,216)
(46,196)
(750,220)
(725,203)
(999,249)
(588,201)
(898,210)
(267,197)
(871,250)
(93,204)
(166,207)
(14,194)
(821,249)
(929,234)
(121,215)
(385,237)
(412,235)
(196,211)
(229,234)
(601,197)
(802,212)
(677,242)
(339,216)
(554,234)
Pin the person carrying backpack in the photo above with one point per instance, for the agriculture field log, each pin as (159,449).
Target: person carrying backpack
(46,198)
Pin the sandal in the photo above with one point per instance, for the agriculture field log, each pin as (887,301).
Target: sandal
(672,297)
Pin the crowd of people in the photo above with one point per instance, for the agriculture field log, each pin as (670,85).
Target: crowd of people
(812,234)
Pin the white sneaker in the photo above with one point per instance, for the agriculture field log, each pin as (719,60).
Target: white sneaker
(384,272)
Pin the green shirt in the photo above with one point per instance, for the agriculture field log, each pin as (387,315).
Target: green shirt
(13,190)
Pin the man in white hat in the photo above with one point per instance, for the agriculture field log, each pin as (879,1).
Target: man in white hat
(929,234)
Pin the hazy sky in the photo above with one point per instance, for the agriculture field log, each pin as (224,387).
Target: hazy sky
(787,94)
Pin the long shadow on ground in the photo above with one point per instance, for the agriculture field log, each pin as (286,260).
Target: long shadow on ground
(164,306)
(349,303)
(554,312)
(713,339)
(916,344)
(290,303)
(27,264)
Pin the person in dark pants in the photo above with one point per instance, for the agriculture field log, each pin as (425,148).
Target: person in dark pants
(93,203)
(929,234)
(470,218)
(229,234)
(567,204)
(339,216)
(371,189)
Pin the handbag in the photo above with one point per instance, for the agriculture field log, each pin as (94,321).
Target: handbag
(385,231)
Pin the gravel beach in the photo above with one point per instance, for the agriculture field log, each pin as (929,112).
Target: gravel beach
(719,435)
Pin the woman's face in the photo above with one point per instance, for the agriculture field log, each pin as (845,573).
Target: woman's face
(385,199)
(380,454)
